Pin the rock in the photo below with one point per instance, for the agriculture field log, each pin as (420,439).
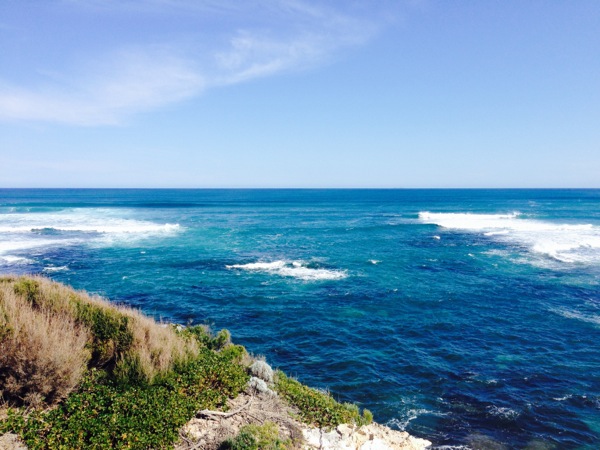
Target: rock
(368,437)
(10,441)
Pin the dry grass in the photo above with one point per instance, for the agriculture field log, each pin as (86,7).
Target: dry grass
(42,354)
(49,335)
(157,346)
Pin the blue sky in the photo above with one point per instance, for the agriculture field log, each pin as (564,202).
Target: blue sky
(294,93)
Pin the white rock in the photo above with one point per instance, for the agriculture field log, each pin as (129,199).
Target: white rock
(368,437)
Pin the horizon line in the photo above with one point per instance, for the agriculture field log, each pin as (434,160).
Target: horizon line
(298,188)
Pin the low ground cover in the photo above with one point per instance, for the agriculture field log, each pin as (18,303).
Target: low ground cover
(79,372)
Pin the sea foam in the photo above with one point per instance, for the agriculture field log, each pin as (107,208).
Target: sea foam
(101,221)
(572,314)
(564,243)
(97,226)
(294,269)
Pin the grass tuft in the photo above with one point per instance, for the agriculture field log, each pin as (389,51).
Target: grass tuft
(49,335)
(257,437)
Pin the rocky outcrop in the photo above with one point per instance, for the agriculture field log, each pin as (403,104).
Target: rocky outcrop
(210,429)
(367,437)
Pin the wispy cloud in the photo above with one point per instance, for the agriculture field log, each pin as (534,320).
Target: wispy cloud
(103,94)
(245,40)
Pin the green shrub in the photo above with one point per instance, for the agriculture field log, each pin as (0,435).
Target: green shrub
(28,288)
(49,334)
(317,408)
(204,336)
(257,437)
(105,414)
(110,330)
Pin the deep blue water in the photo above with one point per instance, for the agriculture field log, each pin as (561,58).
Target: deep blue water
(461,316)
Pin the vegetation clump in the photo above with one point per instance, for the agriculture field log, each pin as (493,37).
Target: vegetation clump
(258,437)
(50,334)
(114,378)
(318,408)
(118,379)
(262,370)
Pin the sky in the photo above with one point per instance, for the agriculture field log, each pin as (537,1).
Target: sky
(300,93)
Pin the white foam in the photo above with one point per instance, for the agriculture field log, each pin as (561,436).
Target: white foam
(503,412)
(56,269)
(374,261)
(452,447)
(294,269)
(571,314)
(14,260)
(21,243)
(95,226)
(563,243)
(96,220)
(466,221)
(261,266)
(409,416)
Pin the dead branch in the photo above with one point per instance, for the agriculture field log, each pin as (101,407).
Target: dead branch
(209,413)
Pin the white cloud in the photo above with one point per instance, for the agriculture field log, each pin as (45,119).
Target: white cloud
(128,83)
(278,37)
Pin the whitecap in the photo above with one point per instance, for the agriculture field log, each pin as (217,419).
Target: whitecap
(559,242)
(374,261)
(262,266)
(15,260)
(93,226)
(294,269)
(452,447)
(92,220)
(572,314)
(503,412)
(56,269)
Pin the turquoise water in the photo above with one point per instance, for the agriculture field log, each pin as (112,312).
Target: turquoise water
(468,317)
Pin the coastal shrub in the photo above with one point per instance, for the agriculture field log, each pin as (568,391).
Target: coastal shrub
(28,288)
(118,379)
(204,336)
(42,354)
(318,408)
(49,333)
(106,414)
(257,437)
(111,336)
(221,342)
(262,370)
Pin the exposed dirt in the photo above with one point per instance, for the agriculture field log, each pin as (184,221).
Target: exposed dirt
(208,431)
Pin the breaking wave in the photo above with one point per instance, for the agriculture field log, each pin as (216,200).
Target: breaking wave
(295,269)
(571,314)
(565,243)
(22,233)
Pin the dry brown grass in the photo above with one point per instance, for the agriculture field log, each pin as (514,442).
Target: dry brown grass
(157,346)
(42,353)
(50,333)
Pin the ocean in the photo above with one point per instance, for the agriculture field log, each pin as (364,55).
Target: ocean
(467,317)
